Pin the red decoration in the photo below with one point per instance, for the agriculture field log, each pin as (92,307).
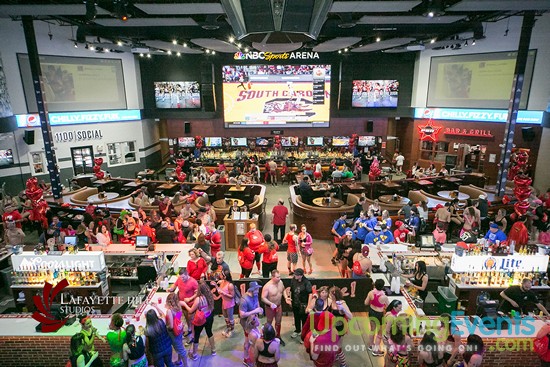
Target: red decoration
(522,191)
(99,174)
(181,177)
(352,142)
(505,199)
(198,142)
(429,131)
(277,144)
(39,205)
(374,170)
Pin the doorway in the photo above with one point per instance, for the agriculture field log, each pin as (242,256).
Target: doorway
(83,160)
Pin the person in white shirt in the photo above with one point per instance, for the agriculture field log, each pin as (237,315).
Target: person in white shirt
(399,160)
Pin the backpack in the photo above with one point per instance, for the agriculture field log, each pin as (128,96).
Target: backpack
(357,270)
(541,347)
(177,325)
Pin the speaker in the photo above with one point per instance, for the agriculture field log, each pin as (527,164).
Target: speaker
(29,137)
(545,119)
(528,133)
(187,127)
(207,87)
(369,127)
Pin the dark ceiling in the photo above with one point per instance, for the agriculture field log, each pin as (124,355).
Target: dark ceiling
(273,25)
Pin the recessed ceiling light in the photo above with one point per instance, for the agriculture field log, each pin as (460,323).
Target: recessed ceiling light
(239,45)
(377,39)
(339,51)
(174,42)
(141,55)
(346,49)
(149,55)
(178,54)
(169,52)
(213,52)
(231,39)
(431,14)
(119,43)
(184,44)
(207,51)
(92,48)
(433,40)
(246,49)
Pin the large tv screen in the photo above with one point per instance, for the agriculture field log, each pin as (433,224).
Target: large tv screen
(186,142)
(76,83)
(239,142)
(276,95)
(6,157)
(375,93)
(477,80)
(290,141)
(366,141)
(263,142)
(314,140)
(213,142)
(340,141)
(177,95)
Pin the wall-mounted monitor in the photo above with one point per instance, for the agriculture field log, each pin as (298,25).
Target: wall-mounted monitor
(366,141)
(375,93)
(6,157)
(76,83)
(314,141)
(239,142)
(70,240)
(142,243)
(263,142)
(186,142)
(177,95)
(340,141)
(477,80)
(213,142)
(290,141)
(276,95)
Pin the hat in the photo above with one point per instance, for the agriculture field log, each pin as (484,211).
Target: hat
(252,286)
(493,225)
(398,223)
(365,250)
(124,213)
(135,214)
(164,224)
(482,196)
(377,228)
(299,271)
(185,223)
(349,233)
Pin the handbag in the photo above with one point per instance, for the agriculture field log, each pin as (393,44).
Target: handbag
(200,316)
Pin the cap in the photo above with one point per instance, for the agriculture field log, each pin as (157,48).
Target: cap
(365,250)
(164,224)
(252,286)
(398,223)
(377,228)
(493,225)
(185,223)
(349,233)
(482,196)
(299,271)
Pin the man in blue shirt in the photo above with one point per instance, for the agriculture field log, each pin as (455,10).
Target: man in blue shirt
(338,230)
(372,221)
(385,235)
(374,236)
(495,234)
(361,226)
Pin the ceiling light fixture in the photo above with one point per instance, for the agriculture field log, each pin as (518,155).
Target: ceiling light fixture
(231,39)
(339,51)
(346,21)
(174,42)
(246,49)
(474,42)
(92,48)
(149,56)
(169,52)
(75,44)
(106,50)
(239,45)
(119,43)
(433,40)
(184,44)
(141,55)
(213,52)
(178,54)
(346,49)
(377,39)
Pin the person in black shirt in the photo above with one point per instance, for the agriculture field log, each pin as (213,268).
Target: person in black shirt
(306,192)
(358,208)
(165,235)
(521,298)
(300,289)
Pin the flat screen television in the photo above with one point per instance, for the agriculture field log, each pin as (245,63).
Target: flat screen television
(213,142)
(276,95)
(314,141)
(290,141)
(177,95)
(375,93)
(142,243)
(6,157)
(263,142)
(70,240)
(239,142)
(186,142)
(366,141)
(340,141)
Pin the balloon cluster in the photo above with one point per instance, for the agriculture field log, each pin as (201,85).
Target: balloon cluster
(180,175)
(352,142)
(277,144)
(97,168)
(39,205)
(518,163)
(522,191)
(374,170)
(198,142)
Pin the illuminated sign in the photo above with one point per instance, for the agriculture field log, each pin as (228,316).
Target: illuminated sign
(429,131)
(268,56)
(522,263)
(76,118)
(468,132)
(523,117)
(77,135)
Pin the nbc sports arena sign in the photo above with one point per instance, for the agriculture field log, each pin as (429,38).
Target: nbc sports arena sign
(82,261)
(514,262)
(77,118)
(269,56)
(524,117)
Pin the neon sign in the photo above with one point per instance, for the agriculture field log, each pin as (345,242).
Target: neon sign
(468,132)
(429,131)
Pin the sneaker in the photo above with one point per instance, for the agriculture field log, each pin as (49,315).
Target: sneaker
(370,348)
(282,342)
(188,342)
(377,353)
(247,363)
(193,357)
(294,335)
(333,261)
(224,333)
(214,353)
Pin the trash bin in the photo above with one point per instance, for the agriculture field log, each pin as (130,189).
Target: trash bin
(447,300)
(221,229)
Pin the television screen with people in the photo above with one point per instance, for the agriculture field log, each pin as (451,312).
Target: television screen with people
(375,93)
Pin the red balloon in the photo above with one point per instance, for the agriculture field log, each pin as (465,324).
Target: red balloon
(100,175)
(98,161)
(178,170)
(505,199)
(181,177)
(521,207)
(180,162)
(97,169)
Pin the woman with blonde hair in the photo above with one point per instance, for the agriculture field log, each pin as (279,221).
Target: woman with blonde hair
(196,265)
(386,219)
(203,308)
(306,250)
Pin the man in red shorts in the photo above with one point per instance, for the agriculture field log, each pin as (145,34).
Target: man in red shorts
(255,240)
(272,293)
(187,289)
(291,239)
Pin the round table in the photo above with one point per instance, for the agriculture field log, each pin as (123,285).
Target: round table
(334,203)
(447,195)
(95,199)
(226,203)
(388,199)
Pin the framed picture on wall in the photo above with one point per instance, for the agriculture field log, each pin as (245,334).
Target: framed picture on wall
(37,162)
